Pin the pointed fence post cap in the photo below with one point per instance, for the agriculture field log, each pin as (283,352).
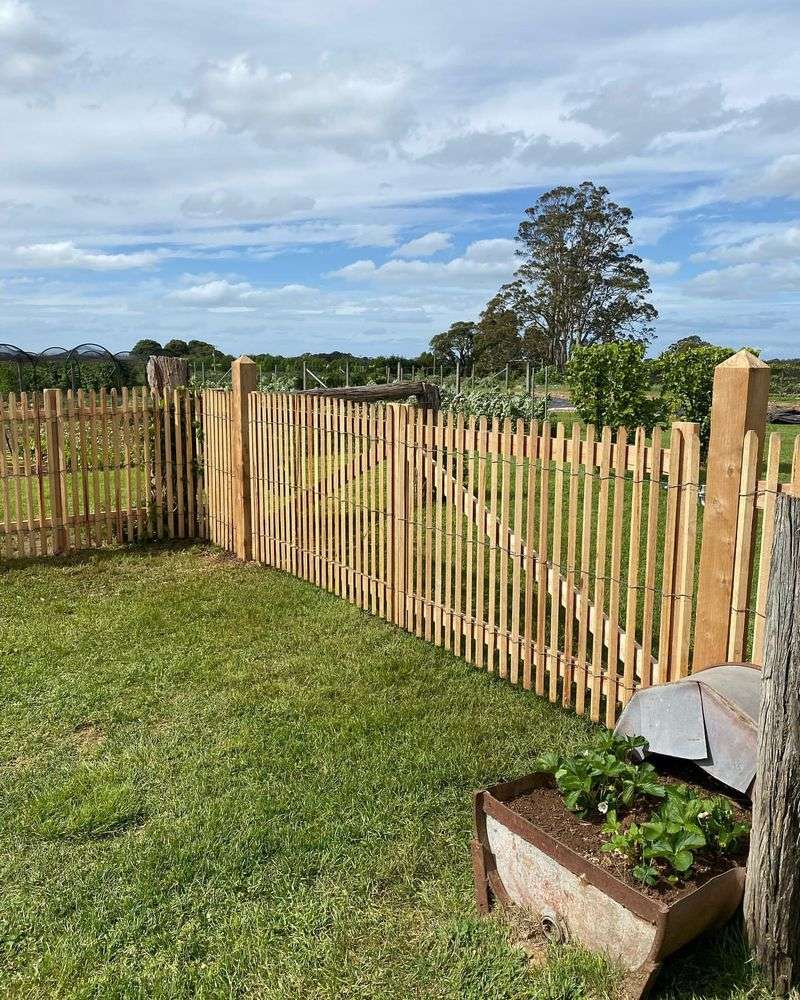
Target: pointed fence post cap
(743,359)
(244,360)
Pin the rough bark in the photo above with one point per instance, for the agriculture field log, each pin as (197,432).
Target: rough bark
(165,373)
(426,392)
(772,895)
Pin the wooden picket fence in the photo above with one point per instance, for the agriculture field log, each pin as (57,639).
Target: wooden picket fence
(565,564)
(755,532)
(87,469)
(579,565)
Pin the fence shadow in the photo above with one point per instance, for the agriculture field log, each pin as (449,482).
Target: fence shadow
(91,557)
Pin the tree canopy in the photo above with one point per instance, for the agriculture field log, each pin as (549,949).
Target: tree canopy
(456,345)
(176,348)
(146,347)
(577,285)
(582,285)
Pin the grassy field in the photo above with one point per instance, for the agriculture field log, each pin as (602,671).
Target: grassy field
(220,782)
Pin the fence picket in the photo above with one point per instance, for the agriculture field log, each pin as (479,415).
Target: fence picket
(449,499)
(651,557)
(614,579)
(569,582)
(599,595)
(518,448)
(582,666)
(39,469)
(532,449)
(669,585)
(479,630)
(688,493)
(634,550)
(95,467)
(744,539)
(470,445)
(543,574)
(554,660)
(503,544)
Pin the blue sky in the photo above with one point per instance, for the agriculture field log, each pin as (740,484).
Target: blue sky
(306,175)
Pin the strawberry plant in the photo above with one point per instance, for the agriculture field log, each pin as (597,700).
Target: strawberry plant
(601,778)
(605,780)
(667,843)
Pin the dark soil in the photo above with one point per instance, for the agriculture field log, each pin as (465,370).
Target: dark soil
(545,808)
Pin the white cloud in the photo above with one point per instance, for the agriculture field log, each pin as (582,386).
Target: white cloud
(484,263)
(226,204)
(29,48)
(356,110)
(66,254)
(661,268)
(476,148)
(223,293)
(425,246)
(778,179)
(747,281)
(635,112)
(497,251)
(647,230)
(780,244)
(359,270)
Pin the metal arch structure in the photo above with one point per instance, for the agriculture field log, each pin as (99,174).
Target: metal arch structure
(70,358)
(18,356)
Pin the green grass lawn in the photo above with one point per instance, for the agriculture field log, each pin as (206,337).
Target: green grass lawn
(221,782)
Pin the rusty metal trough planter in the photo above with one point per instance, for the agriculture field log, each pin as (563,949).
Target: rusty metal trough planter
(516,862)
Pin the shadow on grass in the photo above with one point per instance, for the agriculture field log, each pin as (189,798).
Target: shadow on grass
(107,554)
(716,966)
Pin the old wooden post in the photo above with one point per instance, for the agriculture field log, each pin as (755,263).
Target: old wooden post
(166,373)
(741,388)
(244,378)
(772,893)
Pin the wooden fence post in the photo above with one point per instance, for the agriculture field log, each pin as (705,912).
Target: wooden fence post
(55,458)
(244,379)
(741,388)
(772,891)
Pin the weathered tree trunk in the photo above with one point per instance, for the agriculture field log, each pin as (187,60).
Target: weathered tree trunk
(166,373)
(426,392)
(772,894)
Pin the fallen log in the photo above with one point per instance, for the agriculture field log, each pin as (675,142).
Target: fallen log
(426,393)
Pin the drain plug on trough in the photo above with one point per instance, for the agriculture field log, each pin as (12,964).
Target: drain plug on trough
(553,928)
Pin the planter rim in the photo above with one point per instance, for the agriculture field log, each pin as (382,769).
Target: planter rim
(492,801)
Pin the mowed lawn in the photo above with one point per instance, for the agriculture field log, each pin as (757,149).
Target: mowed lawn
(221,782)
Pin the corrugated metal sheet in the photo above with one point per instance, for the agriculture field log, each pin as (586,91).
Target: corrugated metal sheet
(710,718)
